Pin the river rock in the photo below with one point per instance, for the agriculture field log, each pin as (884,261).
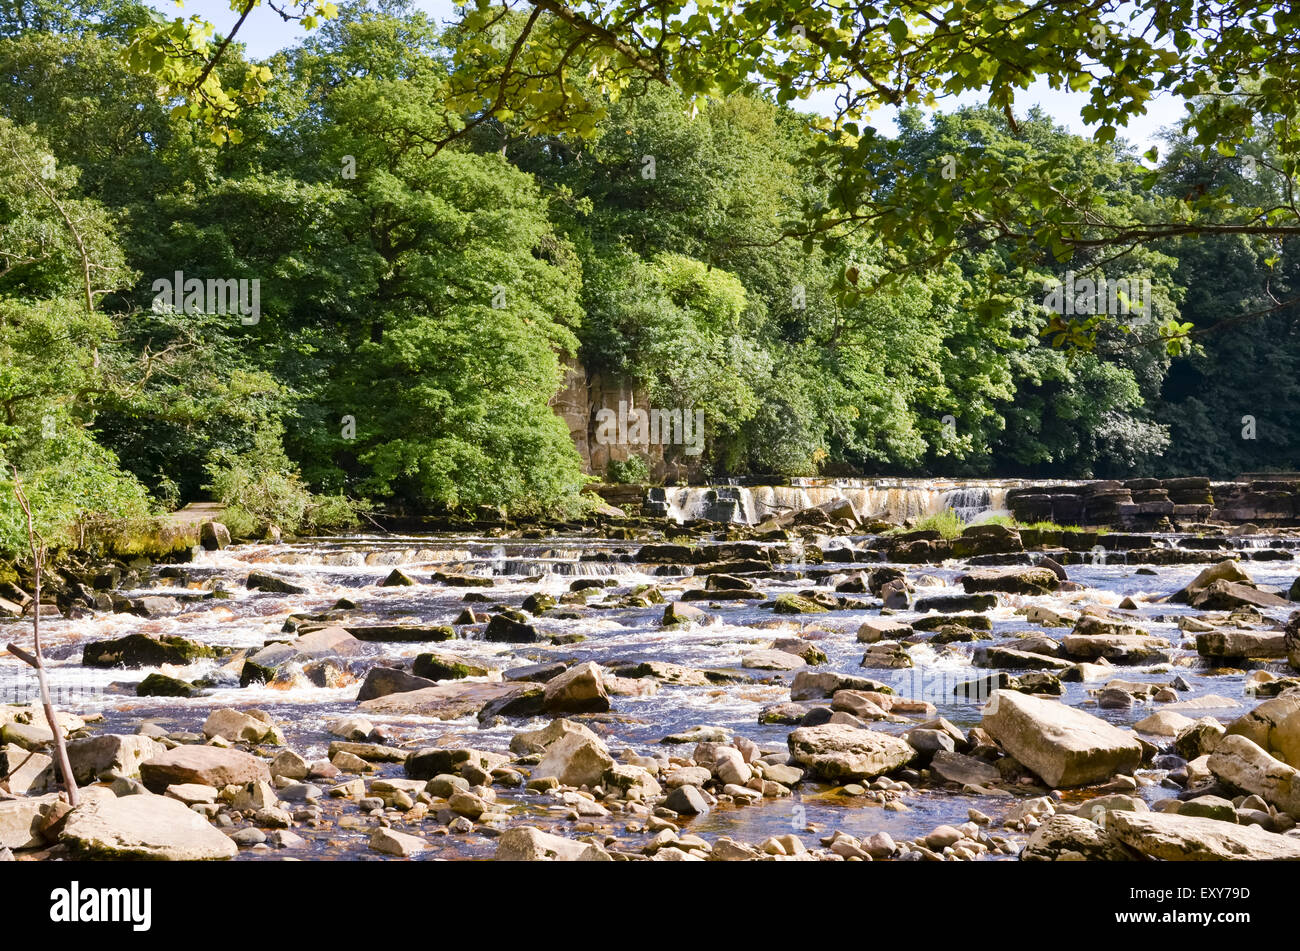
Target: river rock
(967,770)
(143,827)
(1163,723)
(214,536)
(1198,738)
(238,727)
(876,629)
(143,650)
(772,660)
(1241,764)
(575,760)
(1226,595)
(382,681)
(1117,648)
(436,666)
(1062,745)
(1274,725)
(1178,838)
(508,630)
(444,701)
(1011,580)
(1225,643)
(261,581)
(111,753)
(579,689)
(1063,838)
(526,844)
(21,821)
(399,844)
(841,753)
(1230,570)
(687,800)
(207,765)
(817,685)
(537,741)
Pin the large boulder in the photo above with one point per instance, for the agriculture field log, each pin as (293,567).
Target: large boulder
(1227,595)
(527,844)
(143,650)
(579,689)
(1275,726)
(1224,571)
(1063,746)
(1178,838)
(213,536)
(143,827)
(841,753)
(206,765)
(537,741)
(1242,764)
(111,753)
(575,760)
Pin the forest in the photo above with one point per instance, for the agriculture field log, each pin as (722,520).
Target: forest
(320,303)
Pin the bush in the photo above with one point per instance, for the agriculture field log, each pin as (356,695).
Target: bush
(947,523)
(633,470)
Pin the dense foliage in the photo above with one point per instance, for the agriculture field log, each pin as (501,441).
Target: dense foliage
(424,268)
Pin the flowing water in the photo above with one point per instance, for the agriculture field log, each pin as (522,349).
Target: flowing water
(353,567)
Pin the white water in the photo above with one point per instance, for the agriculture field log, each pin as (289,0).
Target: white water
(894,499)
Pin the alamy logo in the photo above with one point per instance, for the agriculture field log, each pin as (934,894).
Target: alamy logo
(1125,297)
(214,296)
(77,904)
(638,427)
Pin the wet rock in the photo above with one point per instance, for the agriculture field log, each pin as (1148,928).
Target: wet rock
(1178,838)
(772,660)
(1117,648)
(261,581)
(520,700)
(1063,746)
(838,753)
(504,629)
(810,653)
(207,765)
(886,655)
(1226,595)
(956,603)
(817,685)
(1090,625)
(1229,570)
(143,650)
(527,844)
(435,761)
(382,681)
(397,578)
(454,580)
(1241,764)
(679,613)
(110,753)
(877,629)
(1014,659)
(795,604)
(143,827)
(444,701)
(782,713)
(540,673)
(402,633)
(160,685)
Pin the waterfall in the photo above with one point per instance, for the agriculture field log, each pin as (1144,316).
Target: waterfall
(897,500)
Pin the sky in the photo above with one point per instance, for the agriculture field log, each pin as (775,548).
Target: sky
(265,33)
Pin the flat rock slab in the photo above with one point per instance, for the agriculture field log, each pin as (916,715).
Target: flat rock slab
(446,701)
(143,827)
(837,752)
(1118,648)
(772,660)
(1063,746)
(206,765)
(1176,838)
(21,821)
(526,844)
(1228,643)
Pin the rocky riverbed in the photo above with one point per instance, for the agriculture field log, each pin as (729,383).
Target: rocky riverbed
(823,689)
